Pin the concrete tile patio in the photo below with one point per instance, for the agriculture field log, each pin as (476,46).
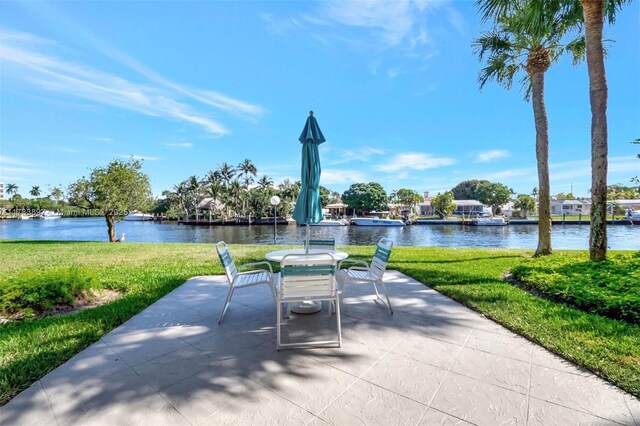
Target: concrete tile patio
(433,362)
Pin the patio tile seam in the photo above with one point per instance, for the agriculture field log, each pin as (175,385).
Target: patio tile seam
(635,420)
(358,378)
(580,410)
(500,355)
(529,387)
(448,372)
(49,402)
(273,391)
(131,366)
(447,414)
(158,393)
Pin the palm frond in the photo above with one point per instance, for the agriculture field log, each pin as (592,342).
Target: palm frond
(577,48)
(525,86)
(500,68)
(494,42)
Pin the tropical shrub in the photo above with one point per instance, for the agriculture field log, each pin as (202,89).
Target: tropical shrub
(610,288)
(34,293)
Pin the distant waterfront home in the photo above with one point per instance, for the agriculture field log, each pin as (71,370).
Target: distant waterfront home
(463,207)
(571,207)
(1,190)
(622,206)
(213,206)
(336,209)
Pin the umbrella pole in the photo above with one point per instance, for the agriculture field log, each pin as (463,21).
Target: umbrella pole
(306,245)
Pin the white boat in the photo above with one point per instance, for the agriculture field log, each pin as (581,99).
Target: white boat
(634,214)
(24,217)
(136,215)
(376,221)
(489,221)
(332,222)
(48,214)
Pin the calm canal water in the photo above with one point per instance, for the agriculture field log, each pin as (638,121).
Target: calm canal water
(513,236)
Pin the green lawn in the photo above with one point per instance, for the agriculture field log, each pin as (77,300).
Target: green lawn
(146,272)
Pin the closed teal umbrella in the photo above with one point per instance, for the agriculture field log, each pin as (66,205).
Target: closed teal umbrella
(308,206)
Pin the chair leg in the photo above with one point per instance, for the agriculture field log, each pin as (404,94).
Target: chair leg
(384,287)
(338,320)
(343,291)
(278,324)
(376,290)
(273,292)
(226,304)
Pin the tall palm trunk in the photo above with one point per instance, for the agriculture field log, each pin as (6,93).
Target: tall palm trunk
(594,20)
(542,157)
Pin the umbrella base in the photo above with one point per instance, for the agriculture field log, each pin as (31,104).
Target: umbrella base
(306,307)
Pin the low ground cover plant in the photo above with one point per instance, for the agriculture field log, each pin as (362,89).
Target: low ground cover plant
(610,288)
(35,293)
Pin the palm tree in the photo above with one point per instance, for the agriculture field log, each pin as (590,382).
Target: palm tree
(226,174)
(35,191)
(194,187)
(12,188)
(56,193)
(247,170)
(213,176)
(235,193)
(512,47)
(213,190)
(265,182)
(593,13)
(182,193)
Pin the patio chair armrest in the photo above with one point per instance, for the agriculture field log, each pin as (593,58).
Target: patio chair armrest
(356,261)
(358,268)
(256,264)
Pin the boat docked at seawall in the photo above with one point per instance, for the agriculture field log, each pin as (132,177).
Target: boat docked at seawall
(136,215)
(376,221)
(332,222)
(48,214)
(489,221)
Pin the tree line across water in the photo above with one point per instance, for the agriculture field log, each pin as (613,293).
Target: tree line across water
(234,193)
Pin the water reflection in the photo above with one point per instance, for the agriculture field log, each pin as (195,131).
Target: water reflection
(513,236)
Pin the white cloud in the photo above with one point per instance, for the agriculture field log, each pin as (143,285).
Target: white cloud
(139,157)
(12,160)
(67,150)
(104,139)
(349,155)
(414,161)
(582,168)
(393,20)
(19,170)
(27,61)
(389,23)
(483,157)
(396,36)
(336,176)
(180,144)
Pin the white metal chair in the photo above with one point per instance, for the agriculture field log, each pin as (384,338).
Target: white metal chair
(239,279)
(308,277)
(369,273)
(322,244)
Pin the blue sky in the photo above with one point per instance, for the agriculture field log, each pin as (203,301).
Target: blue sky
(190,85)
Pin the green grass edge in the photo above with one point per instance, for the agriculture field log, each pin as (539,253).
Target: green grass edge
(147,272)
